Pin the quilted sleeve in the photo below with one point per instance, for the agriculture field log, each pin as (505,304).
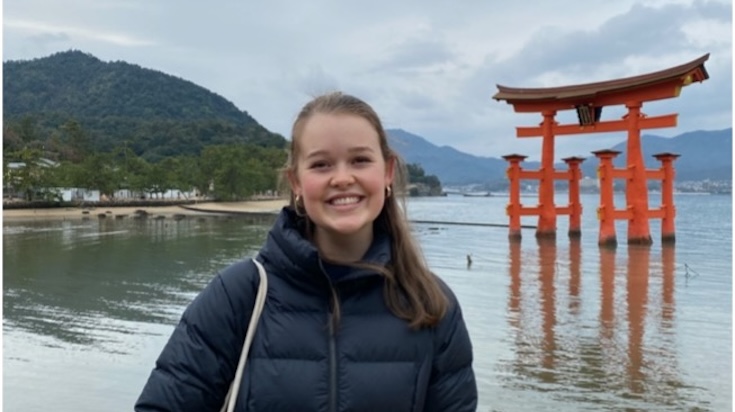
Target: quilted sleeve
(197,365)
(452,384)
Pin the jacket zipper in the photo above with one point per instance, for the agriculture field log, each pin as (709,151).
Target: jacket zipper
(332,365)
(332,344)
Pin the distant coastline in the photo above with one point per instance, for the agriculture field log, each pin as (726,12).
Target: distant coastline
(41,204)
(159,210)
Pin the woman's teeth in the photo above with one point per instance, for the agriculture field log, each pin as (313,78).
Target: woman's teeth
(345,200)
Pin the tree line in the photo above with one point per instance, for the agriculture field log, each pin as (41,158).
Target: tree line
(66,159)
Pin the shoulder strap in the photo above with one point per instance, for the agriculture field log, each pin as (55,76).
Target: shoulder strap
(231,398)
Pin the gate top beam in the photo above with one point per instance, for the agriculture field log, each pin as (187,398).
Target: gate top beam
(658,85)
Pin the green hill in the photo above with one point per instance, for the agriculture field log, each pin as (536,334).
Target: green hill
(116,103)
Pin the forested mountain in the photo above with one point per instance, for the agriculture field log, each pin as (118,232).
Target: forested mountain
(116,103)
(116,127)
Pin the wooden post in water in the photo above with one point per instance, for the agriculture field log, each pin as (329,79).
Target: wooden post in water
(547,209)
(606,210)
(636,188)
(575,206)
(668,232)
(513,210)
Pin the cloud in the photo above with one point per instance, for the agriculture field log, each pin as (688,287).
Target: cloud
(315,81)
(417,54)
(37,28)
(633,42)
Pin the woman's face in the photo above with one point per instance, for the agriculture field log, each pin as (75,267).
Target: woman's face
(341,174)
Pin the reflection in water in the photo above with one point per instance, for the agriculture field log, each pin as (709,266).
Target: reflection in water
(625,362)
(575,274)
(100,278)
(547,263)
(607,295)
(637,293)
(667,306)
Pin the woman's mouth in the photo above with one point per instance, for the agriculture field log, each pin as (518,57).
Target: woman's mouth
(343,201)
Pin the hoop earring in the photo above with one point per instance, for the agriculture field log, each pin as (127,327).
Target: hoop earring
(388,191)
(298,208)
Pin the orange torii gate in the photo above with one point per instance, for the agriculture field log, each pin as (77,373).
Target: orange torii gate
(588,101)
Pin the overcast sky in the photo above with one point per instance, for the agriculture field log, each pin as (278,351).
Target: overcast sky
(428,67)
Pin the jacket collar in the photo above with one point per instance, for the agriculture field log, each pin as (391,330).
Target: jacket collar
(292,255)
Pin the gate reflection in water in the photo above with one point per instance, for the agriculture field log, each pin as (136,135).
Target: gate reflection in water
(630,360)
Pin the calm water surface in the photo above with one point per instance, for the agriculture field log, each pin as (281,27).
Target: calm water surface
(564,326)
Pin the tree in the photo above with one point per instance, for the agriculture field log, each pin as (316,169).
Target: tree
(77,139)
(238,171)
(11,141)
(32,177)
(429,185)
(98,171)
(27,130)
(185,174)
(157,180)
(135,173)
(415,172)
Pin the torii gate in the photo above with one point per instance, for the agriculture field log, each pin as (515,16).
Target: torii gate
(588,101)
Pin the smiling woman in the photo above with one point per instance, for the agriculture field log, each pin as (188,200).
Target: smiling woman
(343,271)
(341,179)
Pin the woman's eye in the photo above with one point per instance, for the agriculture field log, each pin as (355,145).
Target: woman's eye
(319,165)
(362,160)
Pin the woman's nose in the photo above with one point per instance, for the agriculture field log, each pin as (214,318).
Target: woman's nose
(342,176)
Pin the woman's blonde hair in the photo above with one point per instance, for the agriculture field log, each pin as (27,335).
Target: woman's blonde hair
(412,292)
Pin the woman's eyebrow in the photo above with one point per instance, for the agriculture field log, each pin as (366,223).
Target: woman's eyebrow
(360,149)
(357,149)
(316,153)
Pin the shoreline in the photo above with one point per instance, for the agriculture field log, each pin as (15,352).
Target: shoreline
(253,207)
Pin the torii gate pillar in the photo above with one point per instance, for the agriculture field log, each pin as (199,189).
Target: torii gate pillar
(636,189)
(547,209)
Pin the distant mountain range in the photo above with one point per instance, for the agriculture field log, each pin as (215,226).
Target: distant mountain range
(704,155)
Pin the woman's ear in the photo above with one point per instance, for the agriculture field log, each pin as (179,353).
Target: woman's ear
(293,181)
(390,171)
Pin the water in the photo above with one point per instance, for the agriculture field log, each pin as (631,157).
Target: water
(565,326)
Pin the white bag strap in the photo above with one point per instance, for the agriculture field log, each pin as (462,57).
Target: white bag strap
(231,398)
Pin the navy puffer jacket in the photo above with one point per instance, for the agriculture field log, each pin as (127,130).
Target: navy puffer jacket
(300,361)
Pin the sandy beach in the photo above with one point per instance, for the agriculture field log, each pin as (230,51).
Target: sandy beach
(200,209)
